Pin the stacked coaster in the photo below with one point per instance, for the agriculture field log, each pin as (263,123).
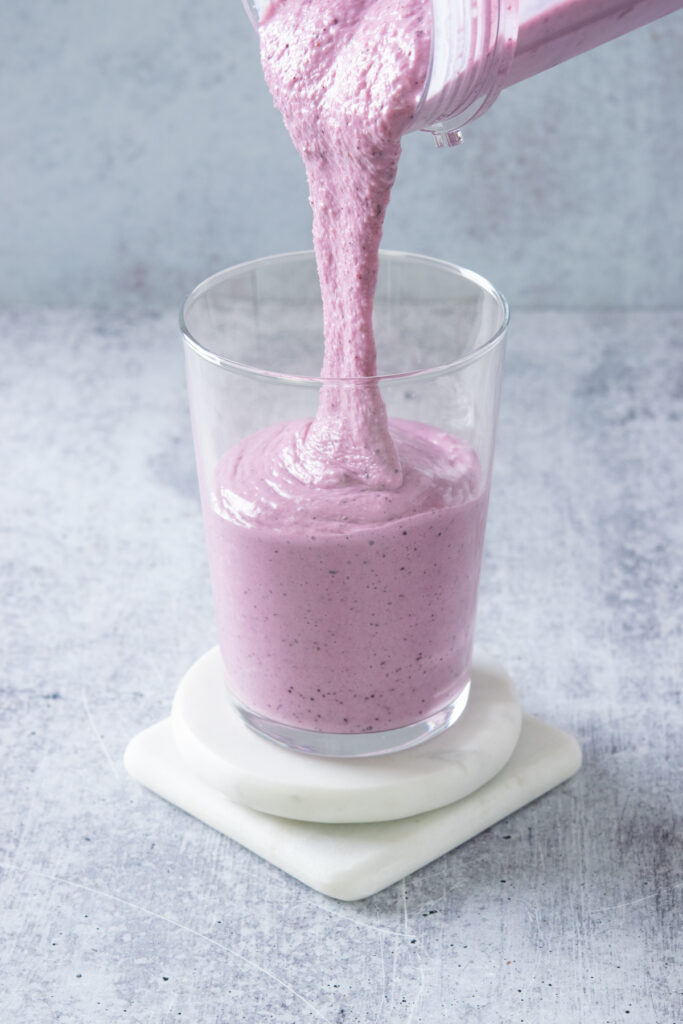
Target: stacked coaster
(350,827)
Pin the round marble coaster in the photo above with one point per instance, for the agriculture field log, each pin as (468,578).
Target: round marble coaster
(223,752)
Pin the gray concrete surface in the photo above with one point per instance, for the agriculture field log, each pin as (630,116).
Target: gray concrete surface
(115,906)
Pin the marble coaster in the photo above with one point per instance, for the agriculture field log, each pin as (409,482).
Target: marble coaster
(483,765)
(353,861)
(224,753)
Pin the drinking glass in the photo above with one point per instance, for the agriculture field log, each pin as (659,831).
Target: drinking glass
(345,631)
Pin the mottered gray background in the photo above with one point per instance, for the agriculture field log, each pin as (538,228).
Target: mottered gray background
(141,152)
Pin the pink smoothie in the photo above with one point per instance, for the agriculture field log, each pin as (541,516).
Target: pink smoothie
(345,550)
(347,609)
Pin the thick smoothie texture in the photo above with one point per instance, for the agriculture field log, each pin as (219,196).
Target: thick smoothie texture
(346,76)
(347,609)
(345,549)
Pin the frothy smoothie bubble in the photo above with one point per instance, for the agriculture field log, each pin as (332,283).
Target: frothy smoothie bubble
(345,549)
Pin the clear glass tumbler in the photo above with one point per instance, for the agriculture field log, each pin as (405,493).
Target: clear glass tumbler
(345,612)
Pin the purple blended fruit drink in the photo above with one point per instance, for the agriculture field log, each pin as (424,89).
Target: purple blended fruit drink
(347,609)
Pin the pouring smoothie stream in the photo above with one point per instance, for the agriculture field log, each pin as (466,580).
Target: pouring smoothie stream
(345,550)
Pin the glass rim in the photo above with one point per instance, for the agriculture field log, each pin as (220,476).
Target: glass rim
(235,366)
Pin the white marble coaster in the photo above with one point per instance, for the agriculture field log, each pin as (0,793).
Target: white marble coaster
(352,861)
(221,751)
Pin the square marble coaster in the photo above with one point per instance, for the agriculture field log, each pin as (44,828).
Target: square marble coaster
(353,861)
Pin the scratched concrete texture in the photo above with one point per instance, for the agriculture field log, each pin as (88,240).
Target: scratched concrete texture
(141,152)
(115,906)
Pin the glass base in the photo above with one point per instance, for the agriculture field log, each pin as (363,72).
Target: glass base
(366,744)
